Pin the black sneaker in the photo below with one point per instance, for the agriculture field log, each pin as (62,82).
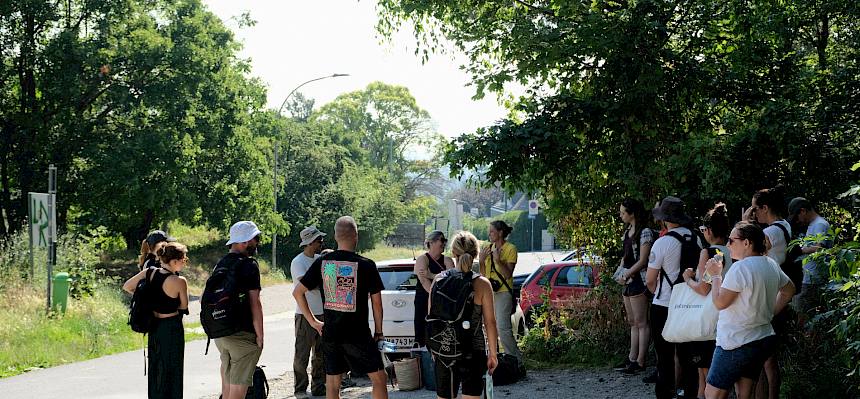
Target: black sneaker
(623,365)
(633,368)
(650,378)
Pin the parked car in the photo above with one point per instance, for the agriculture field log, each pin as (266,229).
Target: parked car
(562,281)
(398,304)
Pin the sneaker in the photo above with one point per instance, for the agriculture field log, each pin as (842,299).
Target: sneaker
(347,383)
(623,365)
(633,368)
(650,378)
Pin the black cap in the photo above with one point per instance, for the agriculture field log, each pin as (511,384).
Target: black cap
(158,236)
(671,209)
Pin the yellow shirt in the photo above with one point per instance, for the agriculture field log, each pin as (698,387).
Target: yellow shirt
(507,255)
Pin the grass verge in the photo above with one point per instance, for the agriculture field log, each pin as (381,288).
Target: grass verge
(384,252)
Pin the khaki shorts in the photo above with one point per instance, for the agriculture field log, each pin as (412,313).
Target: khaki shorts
(239,356)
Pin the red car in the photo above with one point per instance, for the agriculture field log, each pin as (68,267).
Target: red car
(562,281)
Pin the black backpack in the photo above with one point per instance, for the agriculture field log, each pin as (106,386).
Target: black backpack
(260,389)
(222,305)
(451,303)
(690,251)
(508,371)
(793,265)
(140,315)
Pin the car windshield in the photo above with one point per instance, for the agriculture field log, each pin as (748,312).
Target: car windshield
(398,279)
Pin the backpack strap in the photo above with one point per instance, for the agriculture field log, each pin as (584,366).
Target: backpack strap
(504,281)
(784,232)
(663,275)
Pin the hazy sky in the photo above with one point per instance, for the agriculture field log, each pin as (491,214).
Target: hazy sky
(295,41)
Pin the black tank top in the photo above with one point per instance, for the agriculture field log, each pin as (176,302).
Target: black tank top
(436,267)
(161,303)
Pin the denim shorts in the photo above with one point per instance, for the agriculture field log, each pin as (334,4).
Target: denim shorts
(746,361)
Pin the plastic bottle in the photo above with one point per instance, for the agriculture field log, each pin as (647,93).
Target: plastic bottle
(386,346)
(706,277)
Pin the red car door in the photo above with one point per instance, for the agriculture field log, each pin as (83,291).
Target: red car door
(571,281)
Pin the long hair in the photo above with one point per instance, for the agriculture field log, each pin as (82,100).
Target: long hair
(464,247)
(637,209)
(144,253)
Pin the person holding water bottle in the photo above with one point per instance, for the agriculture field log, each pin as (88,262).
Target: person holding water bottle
(715,228)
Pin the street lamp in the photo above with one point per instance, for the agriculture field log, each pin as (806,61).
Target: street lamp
(275,159)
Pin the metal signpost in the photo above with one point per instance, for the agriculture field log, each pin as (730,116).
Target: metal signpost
(52,231)
(533,211)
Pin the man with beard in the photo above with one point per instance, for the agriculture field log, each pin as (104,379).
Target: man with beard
(241,350)
(307,338)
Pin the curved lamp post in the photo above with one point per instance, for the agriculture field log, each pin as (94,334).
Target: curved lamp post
(275,158)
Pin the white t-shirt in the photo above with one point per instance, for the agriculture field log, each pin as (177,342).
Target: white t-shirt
(811,272)
(757,280)
(666,254)
(298,267)
(778,246)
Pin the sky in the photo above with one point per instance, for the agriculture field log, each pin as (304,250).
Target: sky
(297,40)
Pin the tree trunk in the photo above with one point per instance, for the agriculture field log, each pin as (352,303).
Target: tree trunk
(24,134)
(134,235)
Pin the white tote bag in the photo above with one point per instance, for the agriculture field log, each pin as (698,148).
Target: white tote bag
(692,317)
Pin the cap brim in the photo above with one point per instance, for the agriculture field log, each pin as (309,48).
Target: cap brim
(312,239)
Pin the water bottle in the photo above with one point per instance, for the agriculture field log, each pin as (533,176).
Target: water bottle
(706,277)
(488,385)
(386,346)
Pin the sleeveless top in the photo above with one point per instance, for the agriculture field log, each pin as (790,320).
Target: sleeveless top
(478,324)
(161,302)
(435,266)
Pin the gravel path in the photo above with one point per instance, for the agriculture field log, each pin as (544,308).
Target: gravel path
(542,384)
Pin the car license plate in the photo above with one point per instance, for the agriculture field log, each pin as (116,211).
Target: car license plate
(402,342)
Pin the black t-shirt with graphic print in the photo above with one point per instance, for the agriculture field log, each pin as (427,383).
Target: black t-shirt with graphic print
(346,281)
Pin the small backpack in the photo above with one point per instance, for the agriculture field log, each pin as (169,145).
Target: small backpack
(793,265)
(140,315)
(690,251)
(260,389)
(221,304)
(451,304)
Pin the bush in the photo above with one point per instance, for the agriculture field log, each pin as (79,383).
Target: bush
(582,333)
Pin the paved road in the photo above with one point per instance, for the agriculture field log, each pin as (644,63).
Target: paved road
(120,376)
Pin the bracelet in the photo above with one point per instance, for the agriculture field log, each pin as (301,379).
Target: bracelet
(717,277)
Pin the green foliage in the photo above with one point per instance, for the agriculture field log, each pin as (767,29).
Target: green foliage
(709,101)
(144,108)
(580,334)
(420,209)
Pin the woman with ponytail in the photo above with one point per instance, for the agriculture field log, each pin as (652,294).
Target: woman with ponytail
(168,296)
(469,372)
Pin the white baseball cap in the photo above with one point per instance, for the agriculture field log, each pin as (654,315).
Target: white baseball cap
(243,231)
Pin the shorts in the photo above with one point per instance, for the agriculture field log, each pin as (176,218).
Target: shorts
(635,287)
(746,361)
(701,353)
(239,356)
(360,357)
(467,375)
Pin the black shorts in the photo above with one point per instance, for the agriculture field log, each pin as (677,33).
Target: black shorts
(361,357)
(635,286)
(466,373)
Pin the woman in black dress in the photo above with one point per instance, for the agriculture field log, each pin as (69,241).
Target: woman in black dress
(427,266)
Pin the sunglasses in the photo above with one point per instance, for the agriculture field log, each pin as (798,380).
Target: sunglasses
(733,239)
(703,228)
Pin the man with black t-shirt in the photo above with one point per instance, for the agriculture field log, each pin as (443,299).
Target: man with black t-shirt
(241,351)
(346,280)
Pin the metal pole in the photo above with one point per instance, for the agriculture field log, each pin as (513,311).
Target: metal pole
(533,236)
(52,226)
(275,185)
(30,234)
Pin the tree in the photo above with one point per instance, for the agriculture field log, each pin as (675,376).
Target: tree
(706,100)
(144,108)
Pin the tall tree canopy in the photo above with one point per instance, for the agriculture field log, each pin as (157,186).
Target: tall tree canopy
(705,99)
(143,106)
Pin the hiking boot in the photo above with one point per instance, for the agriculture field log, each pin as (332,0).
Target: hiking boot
(623,365)
(633,368)
(650,378)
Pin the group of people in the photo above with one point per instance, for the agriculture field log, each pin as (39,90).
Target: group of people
(161,261)
(332,316)
(747,270)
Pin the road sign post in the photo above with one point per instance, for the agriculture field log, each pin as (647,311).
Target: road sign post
(533,212)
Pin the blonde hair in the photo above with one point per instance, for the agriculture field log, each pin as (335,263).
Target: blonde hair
(464,247)
(145,250)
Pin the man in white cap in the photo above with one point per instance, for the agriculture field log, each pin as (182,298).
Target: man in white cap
(241,350)
(307,338)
